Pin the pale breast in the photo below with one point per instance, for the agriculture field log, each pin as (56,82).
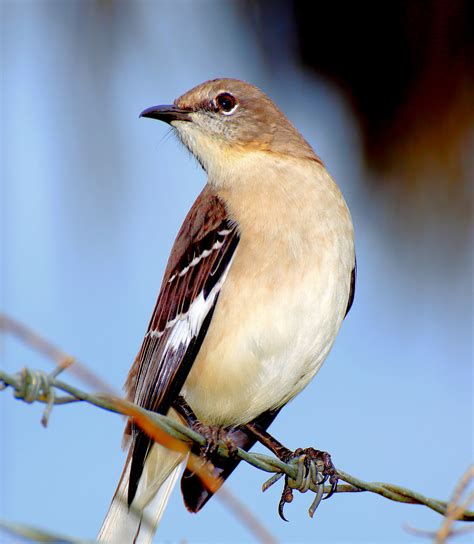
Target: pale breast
(263,357)
(280,308)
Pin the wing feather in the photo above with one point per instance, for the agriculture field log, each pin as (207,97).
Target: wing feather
(196,270)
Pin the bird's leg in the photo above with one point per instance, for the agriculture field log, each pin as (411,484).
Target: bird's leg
(212,433)
(184,410)
(314,469)
(267,440)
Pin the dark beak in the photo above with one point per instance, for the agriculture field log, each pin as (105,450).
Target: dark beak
(167,113)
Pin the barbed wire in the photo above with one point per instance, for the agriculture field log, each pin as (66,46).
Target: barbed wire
(36,385)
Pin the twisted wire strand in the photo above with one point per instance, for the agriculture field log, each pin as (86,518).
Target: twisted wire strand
(36,385)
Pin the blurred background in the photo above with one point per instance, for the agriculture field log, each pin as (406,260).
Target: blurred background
(92,198)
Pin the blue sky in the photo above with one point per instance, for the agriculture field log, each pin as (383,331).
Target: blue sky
(92,198)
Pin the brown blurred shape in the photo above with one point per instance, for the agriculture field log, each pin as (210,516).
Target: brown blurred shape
(406,68)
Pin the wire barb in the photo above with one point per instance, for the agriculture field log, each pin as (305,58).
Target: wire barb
(35,385)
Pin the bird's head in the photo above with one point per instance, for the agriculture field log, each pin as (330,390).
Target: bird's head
(222,118)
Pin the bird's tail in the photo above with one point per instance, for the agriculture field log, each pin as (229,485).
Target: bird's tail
(137,523)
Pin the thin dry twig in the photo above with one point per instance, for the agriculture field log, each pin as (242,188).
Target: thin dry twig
(456,506)
(53,353)
(433,535)
(245,514)
(35,534)
(454,509)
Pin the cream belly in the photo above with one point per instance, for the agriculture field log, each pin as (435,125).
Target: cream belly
(285,294)
(267,339)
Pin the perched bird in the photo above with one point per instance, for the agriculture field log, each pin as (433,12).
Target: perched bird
(259,280)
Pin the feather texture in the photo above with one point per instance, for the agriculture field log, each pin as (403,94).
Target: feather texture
(197,268)
(196,271)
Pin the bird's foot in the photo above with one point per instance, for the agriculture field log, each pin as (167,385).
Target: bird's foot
(314,469)
(214,435)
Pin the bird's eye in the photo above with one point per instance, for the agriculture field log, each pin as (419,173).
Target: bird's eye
(226,103)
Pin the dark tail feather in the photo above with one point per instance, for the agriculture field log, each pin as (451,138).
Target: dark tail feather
(195,494)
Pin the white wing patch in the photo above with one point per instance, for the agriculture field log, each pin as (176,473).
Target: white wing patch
(186,326)
(196,260)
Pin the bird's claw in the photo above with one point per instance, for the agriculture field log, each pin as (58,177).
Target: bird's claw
(314,469)
(286,497)
(214,434)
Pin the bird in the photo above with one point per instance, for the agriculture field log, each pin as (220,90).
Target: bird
(259,280)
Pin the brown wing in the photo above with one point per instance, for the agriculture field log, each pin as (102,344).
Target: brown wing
(196,270)
(352,289)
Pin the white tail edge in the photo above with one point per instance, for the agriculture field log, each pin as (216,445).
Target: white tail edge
(137,524)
